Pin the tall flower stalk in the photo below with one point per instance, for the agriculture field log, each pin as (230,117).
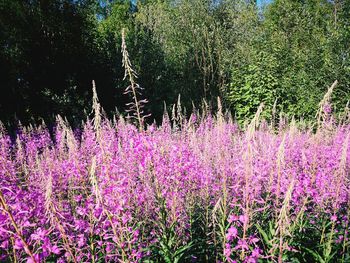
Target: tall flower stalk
(135,108)
(197,189)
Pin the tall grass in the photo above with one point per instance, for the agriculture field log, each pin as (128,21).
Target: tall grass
(197,189)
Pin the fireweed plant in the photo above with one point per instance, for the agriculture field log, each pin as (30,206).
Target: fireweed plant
(197,189)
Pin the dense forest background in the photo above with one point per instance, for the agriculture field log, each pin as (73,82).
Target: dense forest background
(286,54)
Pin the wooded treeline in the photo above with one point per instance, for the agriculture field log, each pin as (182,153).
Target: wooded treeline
(287,53)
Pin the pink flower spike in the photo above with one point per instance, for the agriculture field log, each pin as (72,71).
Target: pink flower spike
(232,218)
(231,233)
(18,244)
(243,219)
(55,250)
(36,257)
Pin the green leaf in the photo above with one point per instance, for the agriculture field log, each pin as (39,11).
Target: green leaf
(264,235)
(317,256)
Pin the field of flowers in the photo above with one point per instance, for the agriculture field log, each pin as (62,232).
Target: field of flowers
(190,190)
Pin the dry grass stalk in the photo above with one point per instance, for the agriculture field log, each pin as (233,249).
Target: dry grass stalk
(342,170)
(323,112)
(273,113)
(220,115)
(345,116)
(174,118)
(97,111)
(248,157)
(280,166)
(15,226)
(94,182)
(52,214)
(254,123)
(134,88)
(284,224)
(179,110)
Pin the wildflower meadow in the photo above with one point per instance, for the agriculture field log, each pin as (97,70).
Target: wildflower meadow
(199,188)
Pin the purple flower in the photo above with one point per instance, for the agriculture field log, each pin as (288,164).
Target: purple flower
(243,219)
(231,233)
(36,257)
(227,251)
(232,218)
(55,250)
(5,244)
(81,241)
(18,244)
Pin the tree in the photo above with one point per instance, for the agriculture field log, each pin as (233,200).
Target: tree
(299,48)
(47,50)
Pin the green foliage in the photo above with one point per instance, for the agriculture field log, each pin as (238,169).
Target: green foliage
(253,85)
(294,58)
(288,52)
(168,247)
(46,51)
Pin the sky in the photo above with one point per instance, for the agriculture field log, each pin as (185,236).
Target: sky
(262,2)
(259,2)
